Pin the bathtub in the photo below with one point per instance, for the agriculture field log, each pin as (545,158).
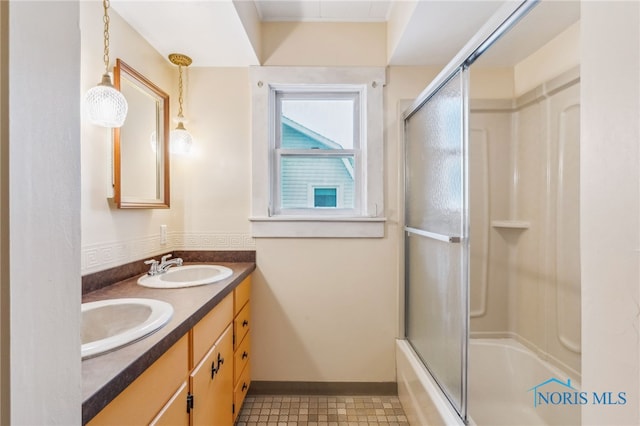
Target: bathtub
(501,374)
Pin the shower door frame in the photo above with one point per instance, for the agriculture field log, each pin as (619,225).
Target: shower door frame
(504,19)
(461,239)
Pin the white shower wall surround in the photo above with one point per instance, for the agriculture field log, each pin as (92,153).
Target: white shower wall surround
(524,189)
(98,257)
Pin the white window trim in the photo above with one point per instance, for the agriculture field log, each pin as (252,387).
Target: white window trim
(370,222)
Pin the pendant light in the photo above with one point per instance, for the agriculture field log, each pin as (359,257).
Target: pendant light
(180,138)
(105,105)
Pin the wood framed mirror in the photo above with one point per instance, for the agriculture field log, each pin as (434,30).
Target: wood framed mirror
(141,145)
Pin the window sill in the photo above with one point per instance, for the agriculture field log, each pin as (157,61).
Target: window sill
(317,227)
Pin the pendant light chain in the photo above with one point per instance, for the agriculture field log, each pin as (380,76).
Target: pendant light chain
(180,139)
(105,5)
(180,91)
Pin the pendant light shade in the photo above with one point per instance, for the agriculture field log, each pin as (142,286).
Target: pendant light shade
(180,138)
(105,105)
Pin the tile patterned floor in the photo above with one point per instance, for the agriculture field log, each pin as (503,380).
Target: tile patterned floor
(276,410)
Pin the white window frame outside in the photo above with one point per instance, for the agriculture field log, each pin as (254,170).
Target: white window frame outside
(365,222)
(312,195)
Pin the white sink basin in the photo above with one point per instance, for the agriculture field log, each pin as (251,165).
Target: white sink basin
(110,324)
(186,276)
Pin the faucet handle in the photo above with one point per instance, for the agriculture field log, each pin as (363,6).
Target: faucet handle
(165,257)
(154,266)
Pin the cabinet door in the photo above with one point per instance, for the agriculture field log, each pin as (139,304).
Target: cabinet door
(175,412)
(212,385)
(145,397)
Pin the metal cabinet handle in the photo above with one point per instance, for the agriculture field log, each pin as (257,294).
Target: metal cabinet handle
(215,369)
(245,323)
(244,386)
(244,354)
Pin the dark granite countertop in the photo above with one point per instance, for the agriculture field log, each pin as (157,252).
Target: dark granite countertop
(105,376)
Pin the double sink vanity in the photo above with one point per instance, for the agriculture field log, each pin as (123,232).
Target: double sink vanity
(164,342)
(170,347)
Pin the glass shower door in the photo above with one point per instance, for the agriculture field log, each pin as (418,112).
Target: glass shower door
(436,243)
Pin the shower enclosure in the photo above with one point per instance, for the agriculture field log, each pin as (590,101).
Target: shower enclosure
(492,285)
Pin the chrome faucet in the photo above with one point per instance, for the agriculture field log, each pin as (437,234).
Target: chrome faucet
(166,264)
(161,267)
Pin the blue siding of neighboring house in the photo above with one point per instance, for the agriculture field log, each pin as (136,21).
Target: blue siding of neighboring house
(300,174)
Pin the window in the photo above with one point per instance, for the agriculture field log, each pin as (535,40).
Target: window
(325,197)
(317,144)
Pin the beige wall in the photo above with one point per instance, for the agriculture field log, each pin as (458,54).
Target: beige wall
(214,184)
(557,56)
(491,83)
(610,207)
(111,236)
(399,17)
(324,44)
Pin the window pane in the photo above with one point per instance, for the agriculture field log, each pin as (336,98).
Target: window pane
(302,176)
(325,197)
(317,123)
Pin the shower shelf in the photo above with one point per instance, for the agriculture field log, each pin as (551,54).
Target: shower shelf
(510,224)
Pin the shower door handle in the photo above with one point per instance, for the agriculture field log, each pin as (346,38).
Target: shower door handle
(433,235)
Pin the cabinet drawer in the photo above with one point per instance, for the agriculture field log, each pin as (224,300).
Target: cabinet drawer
(175,412)
(242,293)
(242,323)
(209,328)
(144,398)
(242,357)
(241,390)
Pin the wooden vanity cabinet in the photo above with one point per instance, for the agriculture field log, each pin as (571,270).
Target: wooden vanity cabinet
(201,380)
